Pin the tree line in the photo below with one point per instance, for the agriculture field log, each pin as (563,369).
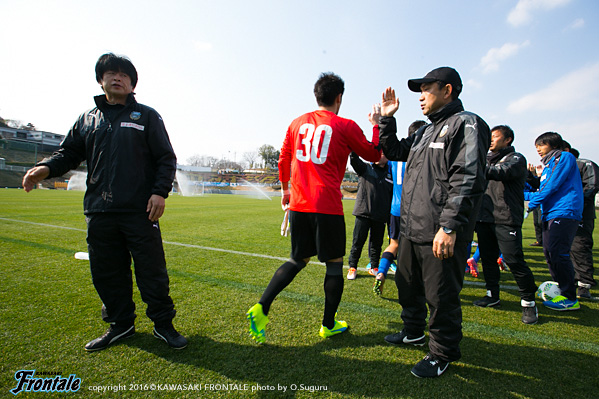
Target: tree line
(265,157)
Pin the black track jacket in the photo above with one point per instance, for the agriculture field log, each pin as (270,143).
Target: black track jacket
(503,201)
(445,172)
(375,189)
(589,174)
(128,158)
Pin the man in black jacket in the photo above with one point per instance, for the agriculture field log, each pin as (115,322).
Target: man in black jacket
(499,225)
(442,189)
(372,207)
(582,246)
(131,166)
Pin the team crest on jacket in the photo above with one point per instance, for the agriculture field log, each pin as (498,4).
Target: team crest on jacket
(135,115)
(444,131)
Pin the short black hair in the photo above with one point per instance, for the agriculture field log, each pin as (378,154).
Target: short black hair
(454,93)
(574,152)
(327,88)
(414,126)
(566,145)
(552,139)
(506,132)
(117,63)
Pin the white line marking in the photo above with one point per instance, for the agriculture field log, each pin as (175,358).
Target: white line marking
(230,251)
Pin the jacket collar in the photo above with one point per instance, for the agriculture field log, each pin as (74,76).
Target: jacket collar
(494,157)
(446,111)
(101,101)
(553,153)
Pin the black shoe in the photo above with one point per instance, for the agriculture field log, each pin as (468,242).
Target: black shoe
(487,301)
(171,337)
(429,367)
(530,315)
(113,334)
(583,293)
(536,244)
(403,338)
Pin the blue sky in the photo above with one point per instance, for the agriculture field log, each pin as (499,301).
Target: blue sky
(229,76)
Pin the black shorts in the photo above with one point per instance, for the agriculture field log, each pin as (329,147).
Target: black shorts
(394,227)
(317,234)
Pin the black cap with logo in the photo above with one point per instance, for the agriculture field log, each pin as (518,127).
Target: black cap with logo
(443,74)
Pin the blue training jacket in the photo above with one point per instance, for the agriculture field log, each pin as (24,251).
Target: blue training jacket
(397,170)
(560,190)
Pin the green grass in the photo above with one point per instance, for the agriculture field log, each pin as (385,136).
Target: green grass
(49,310)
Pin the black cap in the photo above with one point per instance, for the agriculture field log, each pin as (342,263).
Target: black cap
(443,74)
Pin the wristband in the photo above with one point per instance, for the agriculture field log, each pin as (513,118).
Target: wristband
(285,192)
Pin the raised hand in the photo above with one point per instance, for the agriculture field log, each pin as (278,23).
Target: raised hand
(375,115)
(390,103)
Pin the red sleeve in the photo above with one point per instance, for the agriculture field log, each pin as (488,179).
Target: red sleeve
(375,135)
(285,158)
(364,148)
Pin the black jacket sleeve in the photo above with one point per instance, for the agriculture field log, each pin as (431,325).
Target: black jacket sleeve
(356,163)
(466,160)
(163,155)
(512,169)
(394,149)
(590,175)
(70,154)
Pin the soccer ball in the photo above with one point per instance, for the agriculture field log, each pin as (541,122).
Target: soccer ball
(548,290)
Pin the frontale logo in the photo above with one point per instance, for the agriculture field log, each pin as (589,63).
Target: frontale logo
(27,382)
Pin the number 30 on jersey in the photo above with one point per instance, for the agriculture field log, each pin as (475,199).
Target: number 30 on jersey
(312,138)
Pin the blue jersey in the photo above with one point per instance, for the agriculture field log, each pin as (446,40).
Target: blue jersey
(397,170)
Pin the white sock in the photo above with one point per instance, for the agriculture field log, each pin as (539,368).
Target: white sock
(527,304)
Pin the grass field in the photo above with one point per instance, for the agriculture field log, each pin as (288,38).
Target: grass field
(221,252)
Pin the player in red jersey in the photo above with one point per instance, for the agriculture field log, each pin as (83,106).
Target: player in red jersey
(313,158)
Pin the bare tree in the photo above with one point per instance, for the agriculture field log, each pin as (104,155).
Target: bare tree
(250,157)
(202,160)
(196,160)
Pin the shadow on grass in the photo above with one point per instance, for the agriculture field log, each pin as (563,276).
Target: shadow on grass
(329,367)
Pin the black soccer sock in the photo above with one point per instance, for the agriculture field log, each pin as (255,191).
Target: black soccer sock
(388,255)
(281,279)
(333,290)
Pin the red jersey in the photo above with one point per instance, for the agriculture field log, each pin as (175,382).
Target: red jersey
(314,157)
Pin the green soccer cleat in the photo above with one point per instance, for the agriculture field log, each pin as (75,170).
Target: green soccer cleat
(258,321)
(339,327)
(377,288)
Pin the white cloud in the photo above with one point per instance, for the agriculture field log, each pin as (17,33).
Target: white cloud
(202,46)
(490,62)
(522,13)
(474,84)
(577,90)
(577,24)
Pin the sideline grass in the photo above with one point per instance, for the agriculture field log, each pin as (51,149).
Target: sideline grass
(49,310)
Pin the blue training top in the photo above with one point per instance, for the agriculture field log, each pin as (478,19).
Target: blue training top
(398,169)
(560,190)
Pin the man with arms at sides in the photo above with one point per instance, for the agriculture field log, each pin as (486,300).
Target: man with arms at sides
(499,225)
(313,158)
(131,166)
(442,190)
(582,246)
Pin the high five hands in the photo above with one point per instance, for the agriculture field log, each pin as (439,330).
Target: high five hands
(390,103)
